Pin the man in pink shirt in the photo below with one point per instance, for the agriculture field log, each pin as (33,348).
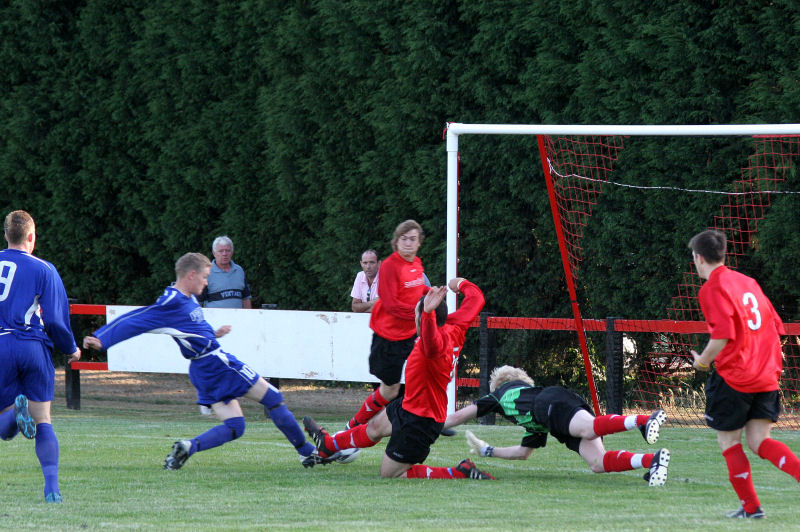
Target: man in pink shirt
(745,347)
(365,287)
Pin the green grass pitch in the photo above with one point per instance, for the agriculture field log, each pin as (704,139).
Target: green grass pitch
(112,479)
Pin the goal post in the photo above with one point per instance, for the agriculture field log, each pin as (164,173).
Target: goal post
(569,228)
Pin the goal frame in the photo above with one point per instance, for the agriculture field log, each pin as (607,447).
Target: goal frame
(455,129)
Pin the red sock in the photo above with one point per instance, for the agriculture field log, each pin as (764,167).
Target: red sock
(372,405)
(740,477)
(614,461)
(613,423)
(350,439)
(647,460)
(781,456)
(423,471)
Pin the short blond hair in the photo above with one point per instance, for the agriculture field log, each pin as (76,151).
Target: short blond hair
(191,262)
(505,374)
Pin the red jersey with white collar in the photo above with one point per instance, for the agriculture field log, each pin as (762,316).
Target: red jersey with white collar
(429,368)
(400,284)
(736,309)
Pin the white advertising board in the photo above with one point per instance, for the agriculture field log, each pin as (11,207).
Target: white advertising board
(289,344)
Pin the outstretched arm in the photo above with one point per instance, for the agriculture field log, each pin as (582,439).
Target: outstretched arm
(90,342)
(471,305)
(480,447)
(431,339)
(461,416)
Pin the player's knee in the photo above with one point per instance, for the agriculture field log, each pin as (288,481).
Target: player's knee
(273,398)
(597,468)
(755,445)
(237,425)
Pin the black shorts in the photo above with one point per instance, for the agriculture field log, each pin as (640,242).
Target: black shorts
(386,358)
(728,409)
(554,408)
(412,435)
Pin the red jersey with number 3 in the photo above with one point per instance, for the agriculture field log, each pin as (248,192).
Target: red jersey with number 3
(429,368)
(400,285)
(736,309)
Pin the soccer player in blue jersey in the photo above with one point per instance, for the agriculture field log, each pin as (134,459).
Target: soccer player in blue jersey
(219,377)
(34,314)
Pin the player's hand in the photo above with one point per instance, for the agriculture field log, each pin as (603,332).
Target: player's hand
(74,356)
(476,445)
(222,331)
(696,364)
(433,298)
(453,284)
(90,342)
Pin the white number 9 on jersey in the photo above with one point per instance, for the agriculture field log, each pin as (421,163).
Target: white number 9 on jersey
(748,299)
(7,271)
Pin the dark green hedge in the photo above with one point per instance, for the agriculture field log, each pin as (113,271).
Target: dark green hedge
(135,131)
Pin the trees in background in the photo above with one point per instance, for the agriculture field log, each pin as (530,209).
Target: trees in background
(306,131)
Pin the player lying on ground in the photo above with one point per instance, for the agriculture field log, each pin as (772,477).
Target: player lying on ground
(219,377)
(568,418)
(414,420)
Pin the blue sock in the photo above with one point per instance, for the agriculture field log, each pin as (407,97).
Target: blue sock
(8,425)
(47,453)
(285,421)
(215,436)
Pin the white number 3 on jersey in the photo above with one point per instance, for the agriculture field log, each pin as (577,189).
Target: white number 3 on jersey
(750,300)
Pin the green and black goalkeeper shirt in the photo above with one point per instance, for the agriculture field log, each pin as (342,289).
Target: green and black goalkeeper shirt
(514,401)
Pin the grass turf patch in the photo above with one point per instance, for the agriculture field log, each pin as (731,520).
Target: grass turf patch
(112,478)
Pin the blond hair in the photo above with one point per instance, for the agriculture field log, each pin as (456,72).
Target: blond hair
(191,262)
(505,374)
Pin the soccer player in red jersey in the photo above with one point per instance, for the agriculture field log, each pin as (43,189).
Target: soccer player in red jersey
(400,283)
(745,348)
(415,420)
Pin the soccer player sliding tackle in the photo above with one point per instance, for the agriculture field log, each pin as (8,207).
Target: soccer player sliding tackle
(568,418)
(415,420)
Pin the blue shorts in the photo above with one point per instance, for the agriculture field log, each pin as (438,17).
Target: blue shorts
(220,377)
(26,366)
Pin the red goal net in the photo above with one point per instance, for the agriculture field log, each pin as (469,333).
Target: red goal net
(656,360)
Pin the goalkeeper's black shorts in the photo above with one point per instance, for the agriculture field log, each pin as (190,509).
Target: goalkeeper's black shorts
(554,408)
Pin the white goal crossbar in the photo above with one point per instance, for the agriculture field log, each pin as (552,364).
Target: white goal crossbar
(454,129)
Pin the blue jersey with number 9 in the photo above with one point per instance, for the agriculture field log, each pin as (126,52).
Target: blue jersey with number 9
(33,301)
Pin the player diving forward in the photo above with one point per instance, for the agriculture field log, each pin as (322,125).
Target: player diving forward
(219,377)
(568,418)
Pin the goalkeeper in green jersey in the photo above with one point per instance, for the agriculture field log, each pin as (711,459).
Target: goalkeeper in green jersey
(565,415)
